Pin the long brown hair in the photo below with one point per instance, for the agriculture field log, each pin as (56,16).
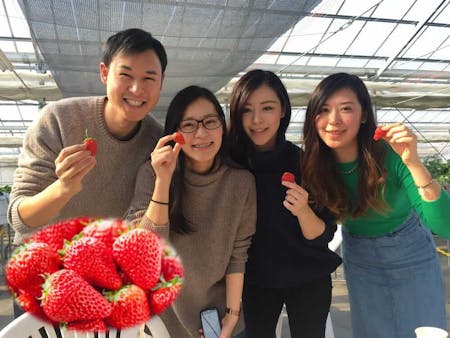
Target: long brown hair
(319,171)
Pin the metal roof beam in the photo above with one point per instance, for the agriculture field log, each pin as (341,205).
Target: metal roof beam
(371,19)
(402,47)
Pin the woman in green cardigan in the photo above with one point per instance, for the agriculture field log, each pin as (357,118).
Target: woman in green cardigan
(387,201)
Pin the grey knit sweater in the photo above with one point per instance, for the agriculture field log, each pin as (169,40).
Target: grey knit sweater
(221,207)
(108,188)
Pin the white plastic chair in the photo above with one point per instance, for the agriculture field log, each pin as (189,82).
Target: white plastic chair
(27,326)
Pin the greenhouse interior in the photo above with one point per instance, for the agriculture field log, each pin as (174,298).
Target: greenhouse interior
(51,50)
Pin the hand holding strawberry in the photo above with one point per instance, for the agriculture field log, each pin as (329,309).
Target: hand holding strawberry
(164,157)
(404,142)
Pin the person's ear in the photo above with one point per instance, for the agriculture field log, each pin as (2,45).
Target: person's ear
(283,111)
(364,118)
(103,72)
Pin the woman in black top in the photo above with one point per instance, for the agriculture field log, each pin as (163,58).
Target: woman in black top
(289,260)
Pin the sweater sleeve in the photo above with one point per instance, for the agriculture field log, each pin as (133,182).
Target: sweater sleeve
(36,166)
(245,230)
(434,213)
(330,228)
(145,183)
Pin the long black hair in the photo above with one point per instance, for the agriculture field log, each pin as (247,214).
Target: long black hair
(175,114)
(240,144)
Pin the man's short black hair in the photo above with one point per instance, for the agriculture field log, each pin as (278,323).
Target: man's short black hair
(133,41)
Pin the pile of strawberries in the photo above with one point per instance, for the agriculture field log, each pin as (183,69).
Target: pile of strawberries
(88,274)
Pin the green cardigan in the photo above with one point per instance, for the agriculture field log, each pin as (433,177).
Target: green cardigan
(401,196)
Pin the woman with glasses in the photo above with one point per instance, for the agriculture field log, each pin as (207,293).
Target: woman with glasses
(205,206)
(289,260)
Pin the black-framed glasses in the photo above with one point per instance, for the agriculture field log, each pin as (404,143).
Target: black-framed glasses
(191,125)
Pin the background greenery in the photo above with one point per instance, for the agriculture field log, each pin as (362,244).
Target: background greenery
(439,169)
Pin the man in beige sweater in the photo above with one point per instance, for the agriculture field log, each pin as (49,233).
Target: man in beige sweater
(57,177)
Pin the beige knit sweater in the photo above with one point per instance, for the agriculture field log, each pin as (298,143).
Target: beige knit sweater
(221,206)
(108,188)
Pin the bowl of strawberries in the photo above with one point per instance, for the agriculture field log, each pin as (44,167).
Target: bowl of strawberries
(89,274)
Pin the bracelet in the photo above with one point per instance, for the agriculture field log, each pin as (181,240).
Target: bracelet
(158,202)
(422,187)
(233,312)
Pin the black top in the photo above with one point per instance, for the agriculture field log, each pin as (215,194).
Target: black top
(280,256)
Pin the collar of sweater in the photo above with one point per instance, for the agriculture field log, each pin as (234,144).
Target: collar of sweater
(204,179)
(270,160)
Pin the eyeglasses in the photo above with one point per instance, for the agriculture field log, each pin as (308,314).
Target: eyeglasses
(191,125)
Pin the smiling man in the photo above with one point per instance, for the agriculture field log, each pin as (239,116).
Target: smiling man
(57,177)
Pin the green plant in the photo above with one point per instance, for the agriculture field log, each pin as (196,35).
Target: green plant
(5,189)
(439,169)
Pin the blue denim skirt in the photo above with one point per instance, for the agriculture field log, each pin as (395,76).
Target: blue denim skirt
(394,281)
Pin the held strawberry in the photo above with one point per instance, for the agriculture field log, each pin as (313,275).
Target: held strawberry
(178,138)
(287,176)
(90,144)
(379,134)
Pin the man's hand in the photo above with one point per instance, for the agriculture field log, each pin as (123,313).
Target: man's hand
(72,165)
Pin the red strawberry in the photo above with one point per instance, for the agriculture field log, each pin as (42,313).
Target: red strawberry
(379,134)
(138,253)
(179,138)
(130,306)
(161,297)
(97,325)
(289,177)
(106,230)
(90,144)
(171,267)
(67,297)
(27,265)
(31,305)
(92,260)
(55,235)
